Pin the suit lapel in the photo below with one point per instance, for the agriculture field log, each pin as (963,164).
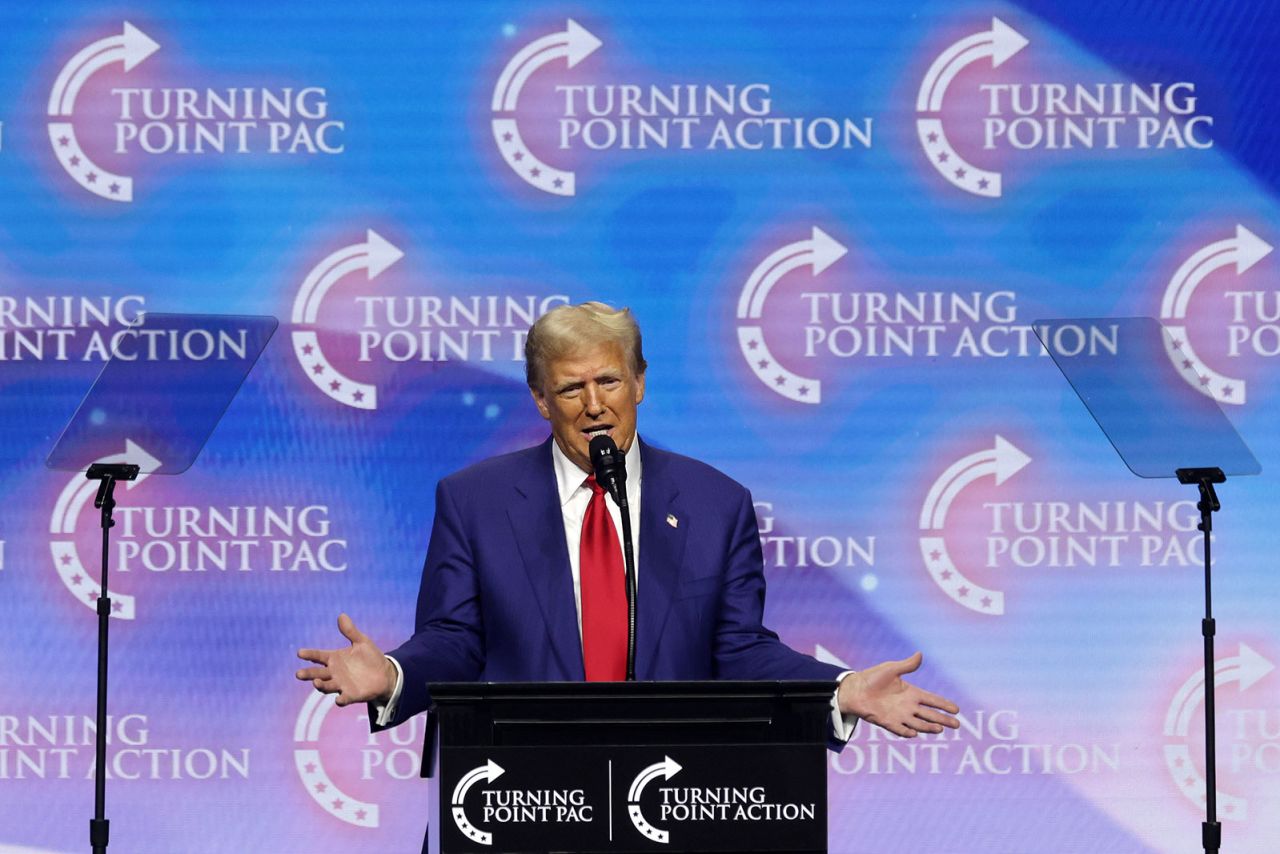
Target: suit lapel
(539,529)
(661,555)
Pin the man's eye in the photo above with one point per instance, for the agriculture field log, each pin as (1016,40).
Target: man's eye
(570,393)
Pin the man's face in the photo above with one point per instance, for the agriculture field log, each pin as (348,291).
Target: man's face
(590,392)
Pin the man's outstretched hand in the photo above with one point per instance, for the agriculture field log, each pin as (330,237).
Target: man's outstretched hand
(879,695)
(359,673)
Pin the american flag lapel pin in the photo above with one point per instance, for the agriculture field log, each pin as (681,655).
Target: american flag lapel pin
(672,520)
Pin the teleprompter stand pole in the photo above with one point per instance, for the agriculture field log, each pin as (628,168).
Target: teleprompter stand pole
(108,474)
(1205,478)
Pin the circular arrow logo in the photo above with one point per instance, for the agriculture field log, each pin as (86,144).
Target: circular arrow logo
(1242,251)
(574,44)
(130,48)
(373,256)
(310,766)
(1245,669)
(487,772)
(666,769)
(1002,461)
(819,252)
(62,529)
(999,44)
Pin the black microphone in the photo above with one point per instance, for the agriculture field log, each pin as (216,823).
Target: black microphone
(610,468)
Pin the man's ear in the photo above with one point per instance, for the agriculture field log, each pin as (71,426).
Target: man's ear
(639,388)
(540,401)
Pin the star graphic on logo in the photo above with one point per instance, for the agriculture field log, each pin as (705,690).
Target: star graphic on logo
(986,601)
(1227,391)
(933,137)
(77,579)
(307,348)
(506,137)
(115,188)
(93,597)
(779,380)
(1187,363)
(317,369)
(117,606)
(963,591)
(804,391)
(1177,345)
(943,157)
(960,173)
(75,160)
(358,396)
(935,554)
(1204,380)
(321,787)
(763,363)
(751,345)
(337,803)
(558,183)
(535,172)
(66,559)
(311,767)
(983,183)
(92,177)
(518,156)
(335,385)
(946,574)
(360,815)
(64,141)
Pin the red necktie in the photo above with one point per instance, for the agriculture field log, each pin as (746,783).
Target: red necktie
(604,597)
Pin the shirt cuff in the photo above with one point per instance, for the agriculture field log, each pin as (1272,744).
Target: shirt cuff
(387,713)
(841,724)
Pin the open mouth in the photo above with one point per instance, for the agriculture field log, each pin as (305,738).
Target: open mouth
(598,430)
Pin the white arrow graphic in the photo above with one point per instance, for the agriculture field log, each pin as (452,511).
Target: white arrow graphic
(999,43)
(375,255)
(667,769)
(574,44)
(311,771)
(820,251)
(1003,461)
(131,47)
(488,772)
(1244,251)
(62,525)
(1245,668)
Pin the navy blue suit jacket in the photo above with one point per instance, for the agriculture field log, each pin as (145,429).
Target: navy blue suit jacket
(497,602)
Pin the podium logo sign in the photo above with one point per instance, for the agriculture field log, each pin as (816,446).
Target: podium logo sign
(1056,117)
(1252,330)
(715,798)
(583,116)
(143,121)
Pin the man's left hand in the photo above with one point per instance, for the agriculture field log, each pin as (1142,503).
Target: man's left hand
(880,696)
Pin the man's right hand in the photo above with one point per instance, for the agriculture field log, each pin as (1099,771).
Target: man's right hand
(359,673)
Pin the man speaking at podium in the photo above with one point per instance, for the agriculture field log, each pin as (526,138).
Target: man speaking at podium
(524,577)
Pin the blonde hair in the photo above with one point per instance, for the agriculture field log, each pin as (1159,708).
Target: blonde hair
(567,328)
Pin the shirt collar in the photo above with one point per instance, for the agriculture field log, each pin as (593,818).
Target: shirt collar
(569,478)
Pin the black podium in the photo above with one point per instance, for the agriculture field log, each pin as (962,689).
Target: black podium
(632,766)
